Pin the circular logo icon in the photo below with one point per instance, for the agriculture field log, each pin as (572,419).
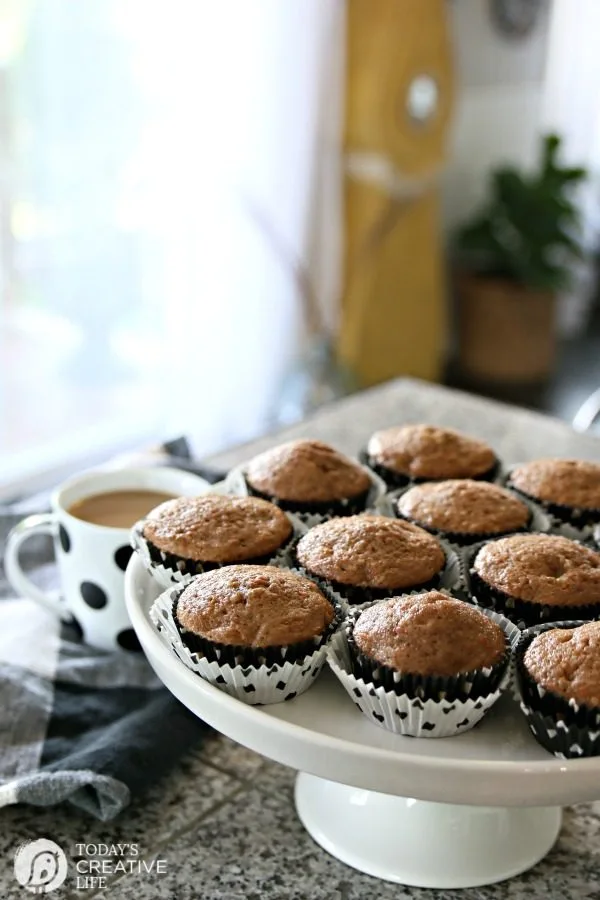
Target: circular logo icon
(40,866)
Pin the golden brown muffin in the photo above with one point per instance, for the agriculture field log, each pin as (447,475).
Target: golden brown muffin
(541,569)
(567,662)
(429,634)
(568,482)
(464,507)
(218,529)
(254,606)
(371,551)
(306,472)
(428,452)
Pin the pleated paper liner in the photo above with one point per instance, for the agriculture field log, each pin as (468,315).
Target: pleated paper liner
(374,500)
(450,576)
(523,613)
(474,684)
(419,706)
(568,521)
(256,676)
(395,480)
(538,522)
(565,728)
(168,568)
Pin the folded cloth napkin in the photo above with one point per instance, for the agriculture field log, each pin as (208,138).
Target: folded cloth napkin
(79,725)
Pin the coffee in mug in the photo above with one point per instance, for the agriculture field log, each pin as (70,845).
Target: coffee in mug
(117,509)
(90,522)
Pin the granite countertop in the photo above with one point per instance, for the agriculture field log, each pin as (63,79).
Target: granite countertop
(223,822)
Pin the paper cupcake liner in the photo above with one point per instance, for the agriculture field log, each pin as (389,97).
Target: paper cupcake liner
(392,479)
(395,480)
(473,684)
(347,507)
(434,715)
(565,728)
(374,500)
(169,569)
(254,676)
(450,576)
(523,613)
(537,522)
(568,521)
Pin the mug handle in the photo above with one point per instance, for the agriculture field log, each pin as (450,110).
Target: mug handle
(39,524)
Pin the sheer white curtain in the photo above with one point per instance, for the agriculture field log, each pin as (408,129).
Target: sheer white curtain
(140,298)
(267,101)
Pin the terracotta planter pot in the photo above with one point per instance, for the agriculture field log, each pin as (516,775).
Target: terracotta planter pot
(507,332)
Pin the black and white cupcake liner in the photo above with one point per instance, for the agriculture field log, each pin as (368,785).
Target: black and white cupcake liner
(419,706)
(395,480)
(449,577)
(373,501)
(565,728)
(256,676)
(538,522)
(169,569)
(523,613)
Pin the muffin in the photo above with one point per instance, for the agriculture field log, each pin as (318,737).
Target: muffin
(426,665)
(427,453)
(567,488)
(558,674)
(189,535)
(259,632)
(368,557)
(535,578)
(309,477)
(463,510)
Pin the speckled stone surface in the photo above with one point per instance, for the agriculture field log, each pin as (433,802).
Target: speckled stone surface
(224,821)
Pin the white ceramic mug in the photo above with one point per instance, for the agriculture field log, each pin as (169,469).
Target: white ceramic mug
(92,558)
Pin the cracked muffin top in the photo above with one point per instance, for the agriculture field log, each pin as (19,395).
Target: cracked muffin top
(254,606)
(566,661)
(464,506)
(306,472)
(425,451)
(429,634)
(568,482)
(371,551)
(214,528)
(541,568)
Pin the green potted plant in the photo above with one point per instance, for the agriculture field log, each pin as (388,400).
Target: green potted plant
(514,257)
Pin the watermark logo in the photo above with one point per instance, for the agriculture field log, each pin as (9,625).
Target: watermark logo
(40,866)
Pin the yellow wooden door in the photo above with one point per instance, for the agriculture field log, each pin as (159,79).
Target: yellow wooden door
(398,105)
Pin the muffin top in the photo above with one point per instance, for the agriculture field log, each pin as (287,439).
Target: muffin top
(429,634)
(254,606)
(541,568)
(306,472)
(424,451)
(571,482)
(464,506)
(566,661)
(371,551)
(217,529)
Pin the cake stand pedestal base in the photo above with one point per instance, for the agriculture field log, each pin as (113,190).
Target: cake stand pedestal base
(422,844)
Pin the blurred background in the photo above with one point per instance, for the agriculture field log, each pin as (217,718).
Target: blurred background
(215,216)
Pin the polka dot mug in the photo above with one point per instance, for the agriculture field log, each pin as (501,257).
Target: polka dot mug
(92,558)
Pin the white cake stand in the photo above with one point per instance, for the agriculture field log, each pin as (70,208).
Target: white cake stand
(447,813)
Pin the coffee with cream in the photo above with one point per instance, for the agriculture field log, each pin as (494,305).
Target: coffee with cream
(117,509)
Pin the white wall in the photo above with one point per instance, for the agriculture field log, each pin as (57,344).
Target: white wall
(509,91)
(500,91)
